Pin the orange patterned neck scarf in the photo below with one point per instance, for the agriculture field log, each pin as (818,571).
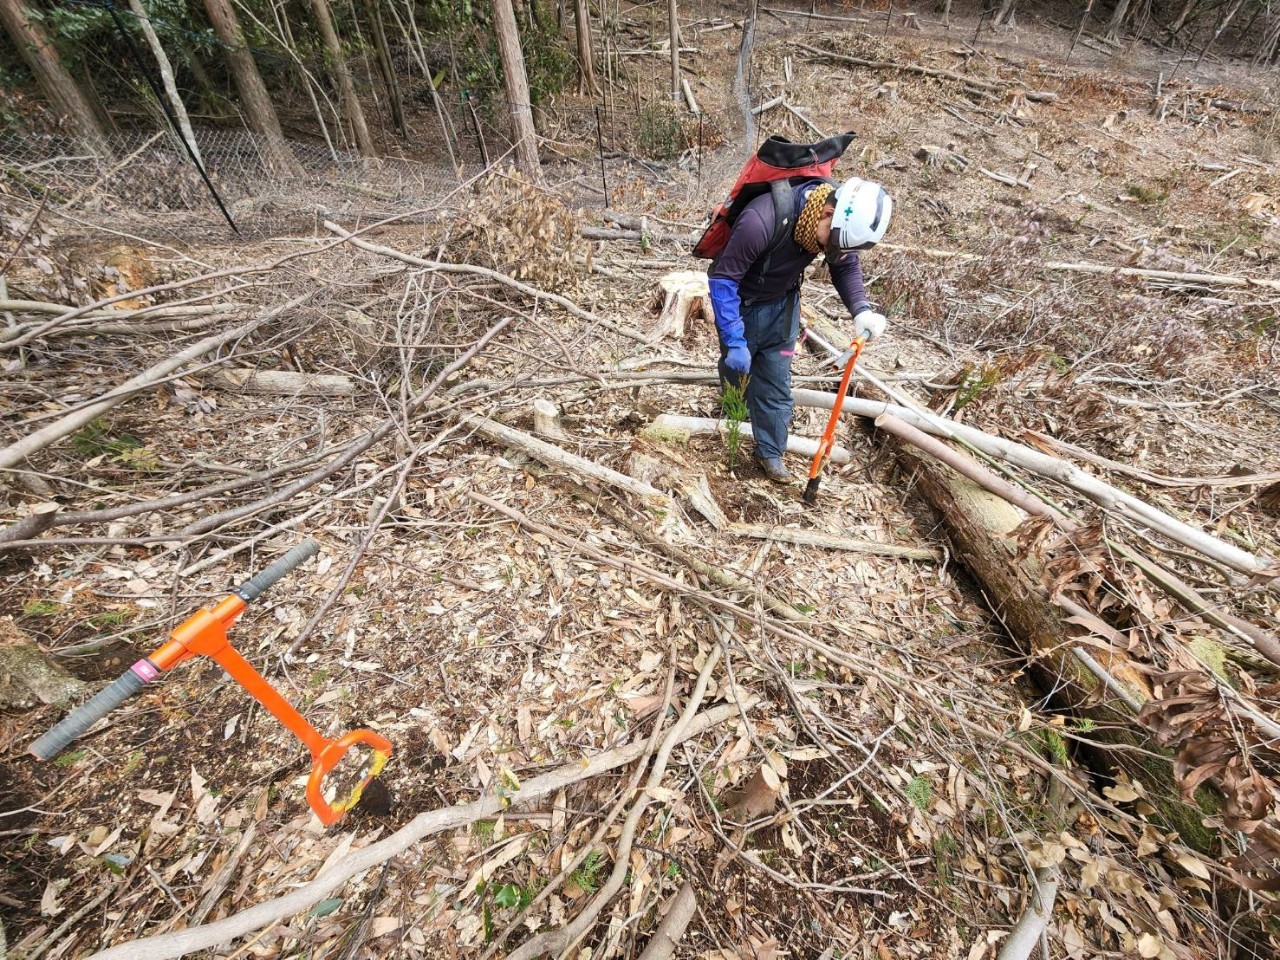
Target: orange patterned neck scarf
(806,232)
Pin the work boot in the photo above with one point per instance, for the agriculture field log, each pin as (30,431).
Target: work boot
(773,468)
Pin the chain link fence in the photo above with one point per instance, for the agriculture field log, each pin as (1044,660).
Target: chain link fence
(144,182)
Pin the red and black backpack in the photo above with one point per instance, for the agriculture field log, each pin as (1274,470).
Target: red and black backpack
(776,167)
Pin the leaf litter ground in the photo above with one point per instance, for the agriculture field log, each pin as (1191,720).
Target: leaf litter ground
(880,825)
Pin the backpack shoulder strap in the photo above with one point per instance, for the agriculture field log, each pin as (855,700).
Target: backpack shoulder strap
(784,217)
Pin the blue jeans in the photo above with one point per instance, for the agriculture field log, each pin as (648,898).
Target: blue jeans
(771,329)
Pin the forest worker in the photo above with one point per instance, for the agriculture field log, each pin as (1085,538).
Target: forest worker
(756,295)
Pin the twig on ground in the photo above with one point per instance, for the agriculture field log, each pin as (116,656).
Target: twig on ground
(171,945)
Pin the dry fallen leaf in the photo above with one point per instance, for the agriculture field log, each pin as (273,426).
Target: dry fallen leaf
(1150,946)
(1121,793)
(1193,865)
(49,900)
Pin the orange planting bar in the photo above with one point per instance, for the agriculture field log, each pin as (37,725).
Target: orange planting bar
(205,634)
(827,443)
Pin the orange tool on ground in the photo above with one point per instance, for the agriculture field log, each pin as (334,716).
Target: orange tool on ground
(205,634)
(828,440)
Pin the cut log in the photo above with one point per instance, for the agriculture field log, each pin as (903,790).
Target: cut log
(688,97)
(1097,490)
(829,541)
(283,383)
(672,428)
(665,939)
(580,468)
(981,527)
(41,518)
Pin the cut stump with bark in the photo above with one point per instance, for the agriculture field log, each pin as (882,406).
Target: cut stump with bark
(28,676)
(681,296)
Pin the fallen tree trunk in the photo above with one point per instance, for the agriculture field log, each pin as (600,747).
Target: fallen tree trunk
(181,942)
(285,383)
(156,312)
(982,528)
(581,468)
(683,906)
(1099,491)
(669,426)
(829,541)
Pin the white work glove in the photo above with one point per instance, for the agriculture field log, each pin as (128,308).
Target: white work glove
(868,324)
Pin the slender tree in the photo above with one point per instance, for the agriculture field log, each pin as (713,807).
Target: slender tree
(1116,23)
(586,62)
(342,79)
(1176,27)
(1084,19)
(742,77)
(1219,29)
(387,67)
(517,87)
(673,22)
(56,83)
(166,77)
(258,108)
(207,94)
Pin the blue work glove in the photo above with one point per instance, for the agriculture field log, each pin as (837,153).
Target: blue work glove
(738,359)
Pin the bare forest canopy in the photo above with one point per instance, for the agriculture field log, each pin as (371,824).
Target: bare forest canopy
(402,290)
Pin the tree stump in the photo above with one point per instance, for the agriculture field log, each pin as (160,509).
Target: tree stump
(28,676)
(681,296)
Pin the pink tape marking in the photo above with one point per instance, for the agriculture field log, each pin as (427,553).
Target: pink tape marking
(146,670)
(786,353)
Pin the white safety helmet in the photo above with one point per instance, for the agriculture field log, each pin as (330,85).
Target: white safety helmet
(861,216)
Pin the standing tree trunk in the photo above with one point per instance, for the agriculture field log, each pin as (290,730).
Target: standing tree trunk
(1084,19)
(1219,30)
(387,68)
(517,87)
(205,90)
(742,78)
(342,80)
(1117,19)
(1180,20)
(59,87)
(586,63)
(674,23)
(1008,9)
(253,92)
(166,77)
